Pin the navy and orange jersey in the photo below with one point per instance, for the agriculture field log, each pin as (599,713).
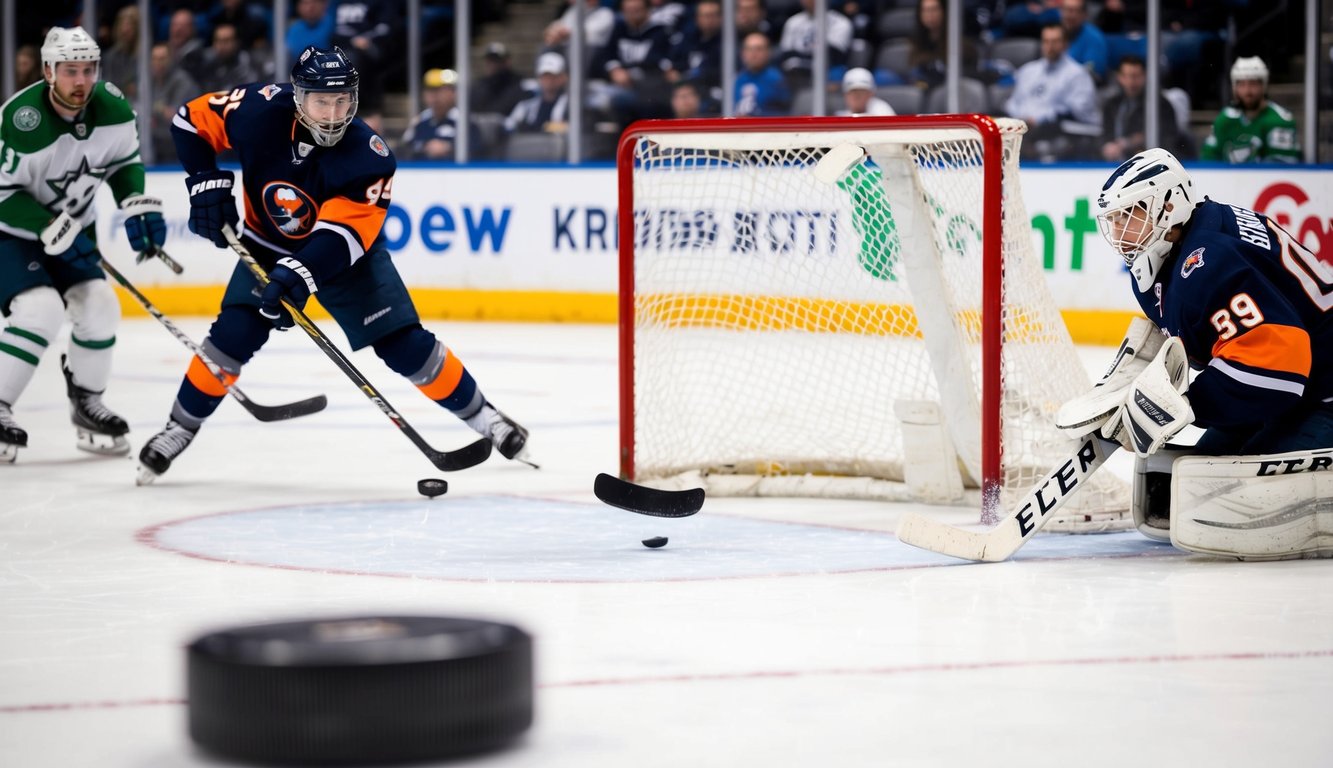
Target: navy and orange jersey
(1254,309)
(327,203)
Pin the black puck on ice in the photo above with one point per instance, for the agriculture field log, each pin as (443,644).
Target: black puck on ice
(378,689)
(655,542)
(432,487)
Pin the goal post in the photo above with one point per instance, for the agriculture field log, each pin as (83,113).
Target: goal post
(790,287)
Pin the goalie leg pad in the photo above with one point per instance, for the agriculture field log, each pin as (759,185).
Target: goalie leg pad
(1275,507)
(1150,505)
(930,464)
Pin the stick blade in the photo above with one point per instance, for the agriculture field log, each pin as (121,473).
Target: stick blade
(647,501)
(991,546)
(468,456)
(287,411)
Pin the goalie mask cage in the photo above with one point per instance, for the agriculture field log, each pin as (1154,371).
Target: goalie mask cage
(788,285)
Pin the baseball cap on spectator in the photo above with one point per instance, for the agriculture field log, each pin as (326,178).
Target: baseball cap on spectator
(550,63)
(858,78)
(497,51)
(438,78)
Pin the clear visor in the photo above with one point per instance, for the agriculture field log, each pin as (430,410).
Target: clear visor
(1129,230)
(325,113)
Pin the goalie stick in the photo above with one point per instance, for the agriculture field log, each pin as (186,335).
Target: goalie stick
(647,501)
(258,410)
(1028,516)
(447,461)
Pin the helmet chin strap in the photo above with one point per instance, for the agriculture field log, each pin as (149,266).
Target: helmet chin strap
(59,102)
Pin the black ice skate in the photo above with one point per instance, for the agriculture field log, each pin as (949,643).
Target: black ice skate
(508,437)
(100,430)
(161,449)
(12,436)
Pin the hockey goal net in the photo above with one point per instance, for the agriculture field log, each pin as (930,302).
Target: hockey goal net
(828,306)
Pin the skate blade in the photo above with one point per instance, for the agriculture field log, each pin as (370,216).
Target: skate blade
(103,445)
(8,453)
(146,476)
(524,457)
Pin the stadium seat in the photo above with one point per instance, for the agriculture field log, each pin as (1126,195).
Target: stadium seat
(899,22)
(971,98)
(905,99)
(536,147)
(895,55)
(1016,50)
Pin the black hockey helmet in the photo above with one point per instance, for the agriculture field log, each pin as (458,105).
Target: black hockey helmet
(324,71)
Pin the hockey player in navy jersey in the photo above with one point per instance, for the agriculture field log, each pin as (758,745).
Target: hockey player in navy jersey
(316,185)
(1247,300)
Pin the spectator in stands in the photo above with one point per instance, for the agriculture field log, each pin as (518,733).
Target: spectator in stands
(313,25)
(634,60)
(251,26)
(171,87)
(364,30)
(670,15)
(1087,45)
(761,89)
(929,54)
(27,66)
(685,101)
(433,133)
(499,89)
(751,17)
(598,21)
(1026,19)
(1057,99)
(120,61)
(549,109)
(796,49)
(1124,118)
(1252,129)
(858,93)
(697,56)
(186,48)
(224,64)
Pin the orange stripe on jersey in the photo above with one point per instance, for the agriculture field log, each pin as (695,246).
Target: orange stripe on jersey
(363,218)
(1269,346)
(205,381)
(208,123)
(447,381)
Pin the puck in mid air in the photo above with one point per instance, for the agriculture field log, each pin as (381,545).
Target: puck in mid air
(430,487)
(655,542)
(361,690)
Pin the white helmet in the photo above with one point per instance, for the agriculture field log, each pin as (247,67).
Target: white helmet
(1139,190)
(72,44)
(1249,68)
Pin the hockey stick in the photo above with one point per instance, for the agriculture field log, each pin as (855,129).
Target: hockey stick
(447,461)
(647,501)
(259,411)
(156,252)
(1033,510)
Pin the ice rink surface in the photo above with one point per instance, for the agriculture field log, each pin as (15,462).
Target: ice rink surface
(767,632)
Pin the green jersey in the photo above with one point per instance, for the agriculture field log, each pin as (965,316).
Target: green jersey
(49,164)
(1270,137)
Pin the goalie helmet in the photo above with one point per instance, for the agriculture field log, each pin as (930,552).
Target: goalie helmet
(72,44)
(323,71)
(1249,68)
(1144,198)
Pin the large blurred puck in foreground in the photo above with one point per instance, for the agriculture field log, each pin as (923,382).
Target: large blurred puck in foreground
(359,690)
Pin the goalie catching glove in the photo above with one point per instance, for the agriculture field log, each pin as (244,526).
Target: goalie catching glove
(1090,412)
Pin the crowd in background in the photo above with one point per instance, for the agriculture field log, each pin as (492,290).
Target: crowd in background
(1074,70)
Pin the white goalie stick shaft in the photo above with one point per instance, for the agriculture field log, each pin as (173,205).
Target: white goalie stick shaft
(1027,517)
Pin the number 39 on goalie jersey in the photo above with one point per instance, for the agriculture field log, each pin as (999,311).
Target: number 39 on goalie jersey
(1254,309)
(295,192)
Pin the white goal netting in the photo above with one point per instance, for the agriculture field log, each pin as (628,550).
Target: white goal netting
(784,307)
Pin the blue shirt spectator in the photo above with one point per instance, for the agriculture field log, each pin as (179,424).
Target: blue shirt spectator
(1087,43)
(761,90)
(313,25)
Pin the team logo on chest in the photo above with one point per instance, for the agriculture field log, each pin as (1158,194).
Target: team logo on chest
(290,209)
(1191,262)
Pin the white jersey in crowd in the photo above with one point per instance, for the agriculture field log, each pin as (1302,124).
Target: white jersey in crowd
(798,34)
(876,107)
(1046,92)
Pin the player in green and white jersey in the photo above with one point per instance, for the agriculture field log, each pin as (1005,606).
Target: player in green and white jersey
(1253,129)
(60,139)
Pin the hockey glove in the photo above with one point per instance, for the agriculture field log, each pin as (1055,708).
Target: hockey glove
(211,205)
(289,280)
(144,225)
(64,238)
